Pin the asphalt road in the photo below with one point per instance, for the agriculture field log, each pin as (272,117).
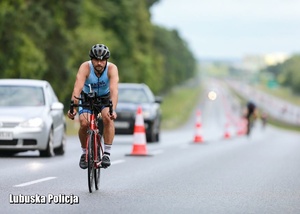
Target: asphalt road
(239,174)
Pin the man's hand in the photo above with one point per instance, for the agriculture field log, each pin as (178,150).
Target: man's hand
(112,116)
(70,115)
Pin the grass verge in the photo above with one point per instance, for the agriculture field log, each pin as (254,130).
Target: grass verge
(178,104)
(72,127)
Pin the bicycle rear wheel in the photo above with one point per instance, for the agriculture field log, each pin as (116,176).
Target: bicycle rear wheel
(249,127)
(90,162)
(97,171)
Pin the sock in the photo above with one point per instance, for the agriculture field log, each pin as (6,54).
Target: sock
(107,149)
(83,150)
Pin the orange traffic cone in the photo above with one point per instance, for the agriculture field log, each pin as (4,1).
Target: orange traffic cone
(244,124)
(198,136)
(139,135)
(242,129)
(226,133)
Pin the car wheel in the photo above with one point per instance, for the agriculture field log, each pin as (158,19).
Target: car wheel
(49,152)
(61,149)
(151,137)
(157,137)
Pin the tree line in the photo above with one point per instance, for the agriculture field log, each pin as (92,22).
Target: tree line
(50,39)
(286,73)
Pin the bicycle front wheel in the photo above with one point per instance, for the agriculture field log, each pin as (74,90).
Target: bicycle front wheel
(90,155)
(97,170)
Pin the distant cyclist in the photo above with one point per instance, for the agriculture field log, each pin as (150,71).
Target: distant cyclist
(103,77)
(263,118)
(251,115)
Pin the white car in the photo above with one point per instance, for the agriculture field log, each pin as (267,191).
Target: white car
(31,118)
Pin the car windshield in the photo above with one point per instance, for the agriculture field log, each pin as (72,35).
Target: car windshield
(131,95)
(21,96)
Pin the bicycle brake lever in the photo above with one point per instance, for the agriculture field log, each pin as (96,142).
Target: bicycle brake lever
(110,107)
(72,108)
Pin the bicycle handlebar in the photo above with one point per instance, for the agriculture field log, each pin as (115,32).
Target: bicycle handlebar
(72,108)
(91,98)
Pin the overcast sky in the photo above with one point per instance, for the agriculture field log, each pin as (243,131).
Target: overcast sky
(233,28)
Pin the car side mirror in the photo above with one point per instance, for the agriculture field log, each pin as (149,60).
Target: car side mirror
(57,106)
(158,99)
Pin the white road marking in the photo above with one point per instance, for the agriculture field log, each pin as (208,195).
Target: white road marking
(34,182)
(156,152)
(117,162)
(184,146)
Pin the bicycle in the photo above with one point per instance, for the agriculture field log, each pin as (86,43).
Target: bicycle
(94,143)
(249,126)
(250,123)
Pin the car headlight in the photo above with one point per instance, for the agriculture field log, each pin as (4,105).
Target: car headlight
(147,114)
(212,95)
(32,123)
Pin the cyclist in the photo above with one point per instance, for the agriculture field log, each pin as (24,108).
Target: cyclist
(103,77)
(263,117)
(250,114)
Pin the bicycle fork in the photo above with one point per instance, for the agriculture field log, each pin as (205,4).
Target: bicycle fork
(96,155)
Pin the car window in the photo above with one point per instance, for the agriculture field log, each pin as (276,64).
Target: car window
(131,95)
(21,96)
(149,94)
(51,94)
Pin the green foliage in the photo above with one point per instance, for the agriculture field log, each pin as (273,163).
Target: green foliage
(287,73)
(290,75)
(178,62)
(50,39)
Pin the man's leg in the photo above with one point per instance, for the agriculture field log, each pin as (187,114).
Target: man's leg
(108,136)
(82,134)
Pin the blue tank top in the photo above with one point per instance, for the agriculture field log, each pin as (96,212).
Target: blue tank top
(99,84)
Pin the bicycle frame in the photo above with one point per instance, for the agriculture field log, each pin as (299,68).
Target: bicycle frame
(93,130)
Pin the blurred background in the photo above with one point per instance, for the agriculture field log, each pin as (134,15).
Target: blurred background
(205,59)
(164,44)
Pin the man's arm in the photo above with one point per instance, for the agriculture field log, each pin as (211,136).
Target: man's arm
(113,76)
(78,85)
(80,80)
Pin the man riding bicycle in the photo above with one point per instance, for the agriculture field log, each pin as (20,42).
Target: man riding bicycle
(103,78)
(251,115)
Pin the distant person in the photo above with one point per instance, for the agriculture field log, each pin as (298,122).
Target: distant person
(263,118)
(251,115)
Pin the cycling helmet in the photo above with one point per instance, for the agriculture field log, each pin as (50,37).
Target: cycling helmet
(251,106)
(99,51)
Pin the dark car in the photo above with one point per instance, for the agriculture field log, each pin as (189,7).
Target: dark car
(132,95)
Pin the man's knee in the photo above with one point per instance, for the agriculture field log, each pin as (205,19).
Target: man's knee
(107,121)
(84,125)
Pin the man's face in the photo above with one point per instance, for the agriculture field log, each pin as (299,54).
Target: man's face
(99,64)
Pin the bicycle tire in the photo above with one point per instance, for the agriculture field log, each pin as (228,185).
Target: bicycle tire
(90,163)
(97,170)
(249,127)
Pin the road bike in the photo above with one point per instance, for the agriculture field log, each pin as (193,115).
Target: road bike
(94,142)
(250,123)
